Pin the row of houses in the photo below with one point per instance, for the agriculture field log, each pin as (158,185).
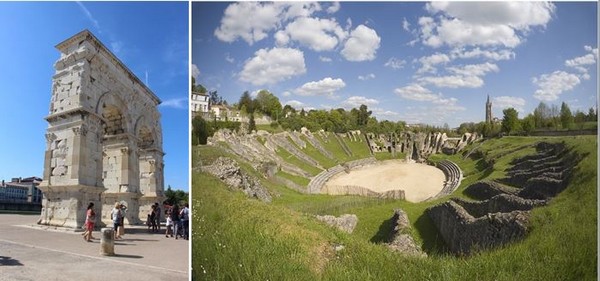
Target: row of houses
(200,105)
(21,190)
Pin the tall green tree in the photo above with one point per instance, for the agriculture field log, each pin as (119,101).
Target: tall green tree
(200,131)
(528,124)
(566,117)
(510,122)
(247,102)
(592,114)
(251,123)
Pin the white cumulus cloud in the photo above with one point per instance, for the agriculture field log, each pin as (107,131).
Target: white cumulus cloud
(483,23)
(295,104)
(324,87)
(252,21)
(271,66)
(503,102)
(550,86)
(582,63)
(357,101)
(416,92)
(428,62)
(453,81)
(503,54)
(362,44)
(314,33)
(335,6)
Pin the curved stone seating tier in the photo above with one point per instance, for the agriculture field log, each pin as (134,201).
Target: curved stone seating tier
(502,203)
(343,145)
(295,136)
(317,182)
(453,177)
(283,142)
(316,144)
(363,191)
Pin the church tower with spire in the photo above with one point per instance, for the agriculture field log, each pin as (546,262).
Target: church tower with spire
(488,111)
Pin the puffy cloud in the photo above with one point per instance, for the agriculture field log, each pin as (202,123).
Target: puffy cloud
(252,21)
(362,44)
(467,76)
(357,101)
(270,66)
(478,53)
(416,92)
(316,34)
(195,71)
(366,77)
(474,69)
(295,104)
(503,102)
(519,15)
(395,63)
(550,86)
(335,6)
(482,23)
(453,81)
(249,21)
(582,63)
(428,62)
(325,87)
(441,107)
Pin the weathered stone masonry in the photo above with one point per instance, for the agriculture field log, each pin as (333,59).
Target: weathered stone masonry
(104,138)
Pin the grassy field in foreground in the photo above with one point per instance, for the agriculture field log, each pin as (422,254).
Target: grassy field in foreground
(235,238)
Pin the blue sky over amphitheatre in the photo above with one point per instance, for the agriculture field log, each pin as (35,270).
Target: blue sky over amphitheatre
(418,62)
(151,38)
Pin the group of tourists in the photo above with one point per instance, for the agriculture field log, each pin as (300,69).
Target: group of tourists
(177,220)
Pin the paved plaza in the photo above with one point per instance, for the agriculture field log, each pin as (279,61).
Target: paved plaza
(28,252)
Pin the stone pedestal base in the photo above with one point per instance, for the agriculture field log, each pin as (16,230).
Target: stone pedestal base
(65,206)
(107,242)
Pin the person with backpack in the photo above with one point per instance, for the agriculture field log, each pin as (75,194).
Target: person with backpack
(185,219)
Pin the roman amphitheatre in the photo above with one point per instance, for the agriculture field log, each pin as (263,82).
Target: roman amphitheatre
(410,205)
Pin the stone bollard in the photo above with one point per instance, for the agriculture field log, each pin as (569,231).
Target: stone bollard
(107,242)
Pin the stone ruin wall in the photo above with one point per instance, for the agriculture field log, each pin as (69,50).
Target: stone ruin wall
(104,139)
(503,216)
(401,239)
(418,146)
(464,233)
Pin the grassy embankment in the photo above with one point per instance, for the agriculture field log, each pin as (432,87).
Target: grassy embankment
(240,239)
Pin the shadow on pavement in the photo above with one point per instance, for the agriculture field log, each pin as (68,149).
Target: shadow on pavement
(9,261)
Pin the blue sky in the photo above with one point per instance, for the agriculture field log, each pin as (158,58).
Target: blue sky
(419,62)
(151,38)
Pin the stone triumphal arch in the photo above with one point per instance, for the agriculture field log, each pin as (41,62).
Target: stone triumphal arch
(104,139)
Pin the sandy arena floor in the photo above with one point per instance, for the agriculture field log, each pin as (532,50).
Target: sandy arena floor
(418,181)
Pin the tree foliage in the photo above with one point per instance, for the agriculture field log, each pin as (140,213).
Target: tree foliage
(510,122)
(566,117)
(176,196)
